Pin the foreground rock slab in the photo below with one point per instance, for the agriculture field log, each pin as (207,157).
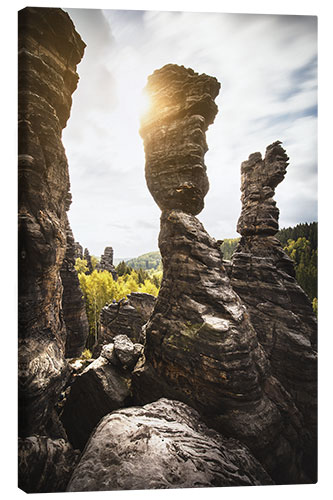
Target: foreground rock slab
(162,445)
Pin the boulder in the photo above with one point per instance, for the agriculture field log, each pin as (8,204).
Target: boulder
(104,385)
(125,317)
(162,445)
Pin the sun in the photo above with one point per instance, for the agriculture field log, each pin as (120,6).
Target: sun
(144,104)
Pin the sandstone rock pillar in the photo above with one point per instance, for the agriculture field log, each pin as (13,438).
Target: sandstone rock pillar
(201,347)
(263,276)
(49,51)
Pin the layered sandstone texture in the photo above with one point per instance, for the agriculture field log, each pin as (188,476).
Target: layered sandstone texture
(45,465)
(78,250)
(201,347)
(73,305)
(49,51)
(162,445)
(264,277)
(126,317)
(182,108)
(102,387)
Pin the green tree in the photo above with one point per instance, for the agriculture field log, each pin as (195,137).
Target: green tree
(305,260)
(123,269)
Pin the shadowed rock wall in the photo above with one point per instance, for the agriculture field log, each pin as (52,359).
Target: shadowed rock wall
(73,305)
(49,51)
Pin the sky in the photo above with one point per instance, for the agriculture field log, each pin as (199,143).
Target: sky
(267,67)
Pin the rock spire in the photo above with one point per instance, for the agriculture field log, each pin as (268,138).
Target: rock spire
(49,50)
(201,347)
(263,276)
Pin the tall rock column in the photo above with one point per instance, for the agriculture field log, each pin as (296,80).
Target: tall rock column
(201,347)
(263,276)
(49,51)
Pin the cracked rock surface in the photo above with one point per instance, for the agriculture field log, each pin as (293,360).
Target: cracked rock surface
(162,445)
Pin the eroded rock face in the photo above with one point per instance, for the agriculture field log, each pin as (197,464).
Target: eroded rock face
(201,347)
(45,465)
(125,317)
(103,386)
(259,178)
(106,262)
(49,51)
(162,445)
(78,250)
(87,257)
(263,275)
(174,136)
(73,305)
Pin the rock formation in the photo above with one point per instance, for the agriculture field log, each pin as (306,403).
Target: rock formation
(183,107)
(125,317)
(73,305)
(45,465)
(103,386)
(264,277)
(86,256)
(106,262)
(162,445)
(78,250)
(49,51)
(201,347)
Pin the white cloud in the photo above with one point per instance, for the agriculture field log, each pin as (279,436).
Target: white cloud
(266,65)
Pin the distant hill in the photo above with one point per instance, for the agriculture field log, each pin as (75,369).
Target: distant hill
(150,260)
(117,260)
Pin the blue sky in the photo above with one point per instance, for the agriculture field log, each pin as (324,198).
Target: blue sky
(267,66)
